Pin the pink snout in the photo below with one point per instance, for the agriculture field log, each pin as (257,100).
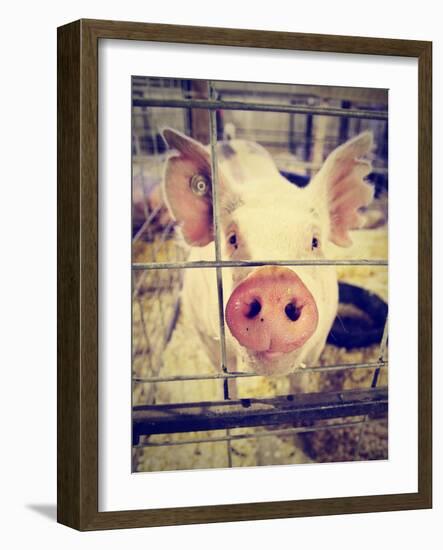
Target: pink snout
(272,311)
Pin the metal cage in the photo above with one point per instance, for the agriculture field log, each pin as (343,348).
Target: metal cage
(159,261)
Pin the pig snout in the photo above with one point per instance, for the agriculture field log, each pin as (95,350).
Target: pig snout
(272,312)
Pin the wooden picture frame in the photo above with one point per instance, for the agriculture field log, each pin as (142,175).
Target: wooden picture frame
(77,456)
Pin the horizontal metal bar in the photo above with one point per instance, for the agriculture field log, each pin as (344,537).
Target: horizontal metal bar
(218,415)
(212,104)
(253,263)
(222,375)
(256,435)
(141,158)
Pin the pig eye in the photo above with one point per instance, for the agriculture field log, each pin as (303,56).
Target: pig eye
(315,243)
(232,240)
(199,185)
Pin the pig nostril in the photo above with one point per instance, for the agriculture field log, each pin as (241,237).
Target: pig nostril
(254,309)
(292,312)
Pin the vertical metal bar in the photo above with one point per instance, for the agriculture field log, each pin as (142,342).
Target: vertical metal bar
(381,359)
(216,223)
(229,448)
(382,354)
(308,137)
(292,133)
(343,129)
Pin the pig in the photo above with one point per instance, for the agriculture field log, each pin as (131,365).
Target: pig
(277,317)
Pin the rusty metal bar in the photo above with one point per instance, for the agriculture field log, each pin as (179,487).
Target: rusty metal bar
(213,104)
(218,415)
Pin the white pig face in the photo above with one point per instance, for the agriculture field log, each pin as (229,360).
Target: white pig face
(279,225)
(277,315)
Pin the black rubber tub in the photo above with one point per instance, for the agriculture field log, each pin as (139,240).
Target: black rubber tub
(360,320)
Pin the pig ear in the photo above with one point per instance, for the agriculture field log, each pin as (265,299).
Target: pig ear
(187,186)
(343,174)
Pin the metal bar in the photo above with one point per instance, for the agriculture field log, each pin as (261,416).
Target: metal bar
(304,90)
(213,105)
(221,415)
(227,375)
(256,435)
(383,343)
(281,161)
(217,241)
(229,448)
(382,353)
(173,321)
(254,263)
(145,225)
(374,382)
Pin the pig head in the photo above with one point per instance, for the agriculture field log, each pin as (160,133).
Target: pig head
(277,317)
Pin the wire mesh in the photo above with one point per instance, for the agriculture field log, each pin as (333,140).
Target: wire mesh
(159,259)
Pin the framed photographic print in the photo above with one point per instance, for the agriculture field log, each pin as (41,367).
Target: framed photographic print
(244,275)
